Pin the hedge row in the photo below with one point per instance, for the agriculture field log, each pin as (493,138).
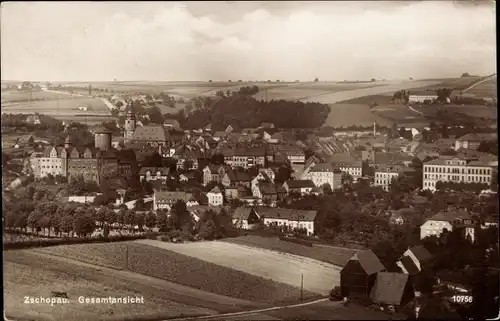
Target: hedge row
(67,241)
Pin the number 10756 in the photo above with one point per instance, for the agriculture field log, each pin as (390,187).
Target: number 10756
(462,299)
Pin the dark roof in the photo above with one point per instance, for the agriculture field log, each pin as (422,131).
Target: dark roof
(389,288)
(300,183)
(409,265)
(449,216)
(238,176)
(368,261)
(126,155)
(216,189)
(150,133)
(242,213)
(421,253)
(256,151)
(286,213)
(267,189)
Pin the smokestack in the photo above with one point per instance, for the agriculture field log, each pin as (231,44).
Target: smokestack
(374,129)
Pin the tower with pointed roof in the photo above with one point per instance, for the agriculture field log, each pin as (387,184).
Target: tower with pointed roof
(130,124)
(67,142)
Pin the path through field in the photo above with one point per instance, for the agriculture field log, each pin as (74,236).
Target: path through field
(319,277)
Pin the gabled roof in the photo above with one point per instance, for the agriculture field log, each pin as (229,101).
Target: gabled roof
(389,288)
(267,189)
(220,133)
(368,261)
(473,137)
(216,190)
(409,265)
(449,216)
(300,183)
(238,176)
(242,213)
(420,253)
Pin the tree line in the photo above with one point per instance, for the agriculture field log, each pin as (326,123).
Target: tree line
(247,112)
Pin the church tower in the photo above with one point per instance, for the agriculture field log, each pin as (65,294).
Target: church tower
(128,134)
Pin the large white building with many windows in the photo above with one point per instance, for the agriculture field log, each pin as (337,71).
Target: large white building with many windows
(457,170)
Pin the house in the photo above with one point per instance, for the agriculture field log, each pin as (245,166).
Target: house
(268,194)
(159,186)
(384,175)
(490,221)
(298,186)
(288,219)
(435,225)
(187,157)
(232,129)
(392,289)
(472,140)
(165,200)
(234,177)
(215,197)
(245,157)
(294,155)
(266,125)
(414,260)
(354,169)
(245,218)
(186,177)
(236,192)
(421,98)
(34,119)
(171,123)
(325,173)
(214,173)
(358,276)
(24,141)
(154,173)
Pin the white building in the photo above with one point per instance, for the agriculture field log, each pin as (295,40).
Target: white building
(354,169)
(284,217)
(436,224)
(325,173)
(421,98)
(154,173)
(384,175)
(457,170)
(165,200)
(215,197)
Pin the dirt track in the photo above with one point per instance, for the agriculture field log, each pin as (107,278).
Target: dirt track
(319,277)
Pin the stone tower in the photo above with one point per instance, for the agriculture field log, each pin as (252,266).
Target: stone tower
(130,125)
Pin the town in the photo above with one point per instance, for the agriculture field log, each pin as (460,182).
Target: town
(231,198)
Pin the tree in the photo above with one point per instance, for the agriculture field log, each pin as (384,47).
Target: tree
(162,221)
(140,219)
(207,229)
(130,218)
(465,74)
(181,215)
(150,220)
(316,79)
(83,225)
(139,204)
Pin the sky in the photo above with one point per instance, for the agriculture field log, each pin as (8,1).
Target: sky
(200,41)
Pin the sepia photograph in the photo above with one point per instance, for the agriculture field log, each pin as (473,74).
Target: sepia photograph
(249,160)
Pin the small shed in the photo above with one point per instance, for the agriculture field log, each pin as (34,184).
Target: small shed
(392,289)
(358,275)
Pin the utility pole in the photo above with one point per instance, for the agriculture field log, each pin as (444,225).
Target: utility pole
(301,287)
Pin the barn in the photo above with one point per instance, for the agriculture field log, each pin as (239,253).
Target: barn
(359,274)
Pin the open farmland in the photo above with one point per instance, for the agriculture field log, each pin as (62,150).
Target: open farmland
(18,96)
(333,255)
(302,91)
(341,96)
(172,266)
(62,109)
(486,89)
(27,273)
(319,277)
(344,115)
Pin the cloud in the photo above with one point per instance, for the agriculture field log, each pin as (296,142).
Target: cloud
(98,41)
